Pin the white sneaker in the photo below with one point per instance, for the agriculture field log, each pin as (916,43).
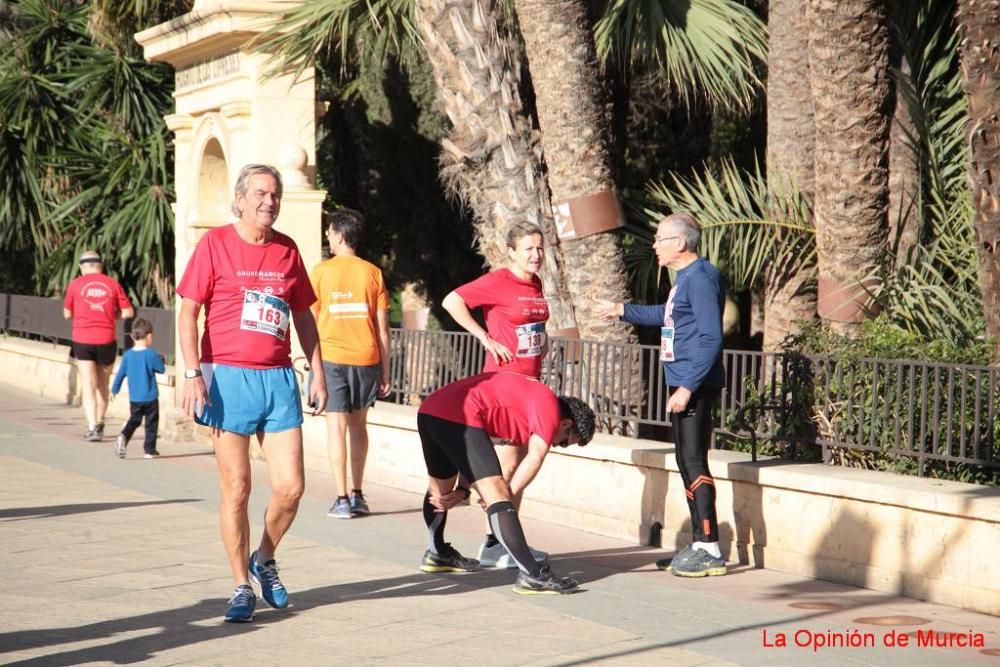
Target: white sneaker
(497,557)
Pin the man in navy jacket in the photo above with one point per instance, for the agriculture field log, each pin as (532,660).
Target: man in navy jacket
(691,351)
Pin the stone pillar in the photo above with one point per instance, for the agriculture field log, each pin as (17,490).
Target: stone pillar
(231,112)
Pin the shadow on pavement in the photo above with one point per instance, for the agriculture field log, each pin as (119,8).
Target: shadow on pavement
(186,626)
(46,511)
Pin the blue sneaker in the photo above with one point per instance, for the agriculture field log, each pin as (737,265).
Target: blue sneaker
(241,605)
(266,576)
(358,503)
(341,509)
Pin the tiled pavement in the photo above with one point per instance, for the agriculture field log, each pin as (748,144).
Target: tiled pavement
(110,561)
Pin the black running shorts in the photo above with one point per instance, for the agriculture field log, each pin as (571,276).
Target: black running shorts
(451,448)
(104,355)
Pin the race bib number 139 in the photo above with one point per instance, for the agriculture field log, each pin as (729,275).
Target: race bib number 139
(530,339)
(265,313)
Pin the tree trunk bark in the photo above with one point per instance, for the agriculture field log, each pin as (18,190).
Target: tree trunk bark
(848,71)
(904,177)
(490,160)
(979,21)
(569,97)
(791,134)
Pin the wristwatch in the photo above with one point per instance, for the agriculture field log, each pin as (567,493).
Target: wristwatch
(192,373)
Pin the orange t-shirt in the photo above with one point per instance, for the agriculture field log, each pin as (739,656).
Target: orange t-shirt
(351,292)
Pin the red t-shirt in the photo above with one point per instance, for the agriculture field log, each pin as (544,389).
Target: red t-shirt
(511,306)
(95,301)
(510,406)
(249,292)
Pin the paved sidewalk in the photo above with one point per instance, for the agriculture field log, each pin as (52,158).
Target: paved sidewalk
(110,561)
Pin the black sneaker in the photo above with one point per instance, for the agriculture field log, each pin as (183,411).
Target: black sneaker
(449,560)
(545,583)
(100,431)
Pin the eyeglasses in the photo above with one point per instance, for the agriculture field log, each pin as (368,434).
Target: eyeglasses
(657,239)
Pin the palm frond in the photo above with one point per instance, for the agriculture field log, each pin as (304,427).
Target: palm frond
(701,46)
(738,235)
(348,31)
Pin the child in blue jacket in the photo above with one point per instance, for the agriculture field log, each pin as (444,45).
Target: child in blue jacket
(140,365)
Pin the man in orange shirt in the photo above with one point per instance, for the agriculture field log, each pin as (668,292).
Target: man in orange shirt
(352,316)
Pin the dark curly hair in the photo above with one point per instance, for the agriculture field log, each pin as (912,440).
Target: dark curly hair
(349,223)
(582,416)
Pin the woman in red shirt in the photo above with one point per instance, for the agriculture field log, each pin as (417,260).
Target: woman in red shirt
(515,311)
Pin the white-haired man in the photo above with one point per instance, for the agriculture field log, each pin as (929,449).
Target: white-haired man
(252,283)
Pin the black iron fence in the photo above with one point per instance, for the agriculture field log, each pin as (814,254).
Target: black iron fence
(905,416)
(42,318)
(899,415)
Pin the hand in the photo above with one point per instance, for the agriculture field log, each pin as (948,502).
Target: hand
(114,396)
(448,500)
(318,394)
(498,351)
(608,310)
(384,386)
(679,400)
(195,396)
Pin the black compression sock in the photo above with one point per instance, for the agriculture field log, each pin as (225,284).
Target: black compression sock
(435,525)
(507,528)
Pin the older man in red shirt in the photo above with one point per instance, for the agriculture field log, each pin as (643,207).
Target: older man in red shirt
(94,301)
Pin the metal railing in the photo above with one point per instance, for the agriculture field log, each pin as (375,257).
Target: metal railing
(901,415)
(42,318)
(907,416)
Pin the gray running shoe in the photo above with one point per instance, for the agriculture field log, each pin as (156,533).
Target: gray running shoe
(448,560)
(92,436)
(121,442)
(700,564)
(358,503)
(340,509)
(497,557)
(545,583)
(667,563)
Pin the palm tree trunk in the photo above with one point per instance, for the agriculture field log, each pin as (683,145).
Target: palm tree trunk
(979,21)
(848,71)
(490,160)
(569,97)
(904,175)
(791,135)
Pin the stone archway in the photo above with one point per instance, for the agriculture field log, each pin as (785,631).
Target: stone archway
(212,190)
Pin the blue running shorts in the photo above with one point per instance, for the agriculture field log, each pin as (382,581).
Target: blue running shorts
(251,400)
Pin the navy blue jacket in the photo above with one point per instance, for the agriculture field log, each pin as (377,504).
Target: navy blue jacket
(698,295)
(140,367)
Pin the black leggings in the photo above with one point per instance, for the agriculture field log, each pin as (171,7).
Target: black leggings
(450,448)
(151,411)
(692,440)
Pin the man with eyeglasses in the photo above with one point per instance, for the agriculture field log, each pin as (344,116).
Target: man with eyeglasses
(94,301)
(691,351)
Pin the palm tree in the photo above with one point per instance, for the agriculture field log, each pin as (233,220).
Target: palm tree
(372,28)
(83,148)
(789,296)
(979,22)
(490,159)
(848,71)
(569,100)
